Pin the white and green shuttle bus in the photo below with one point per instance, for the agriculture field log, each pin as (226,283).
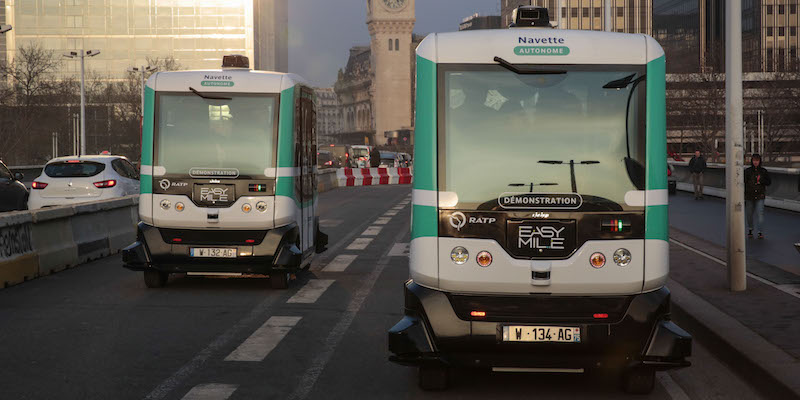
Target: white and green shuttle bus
(539,223)
(228,182)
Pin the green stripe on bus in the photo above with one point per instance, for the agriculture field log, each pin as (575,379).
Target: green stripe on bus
(146,181)
(285,184)
(656,220)
(656,217)
(424,221)
(425,132)
(656,125)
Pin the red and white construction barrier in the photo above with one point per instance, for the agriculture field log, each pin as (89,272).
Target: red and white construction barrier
(373,176)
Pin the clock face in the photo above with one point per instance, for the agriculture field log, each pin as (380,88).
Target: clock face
(394,4)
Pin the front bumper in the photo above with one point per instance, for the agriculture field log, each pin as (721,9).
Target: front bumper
(277,251)
(431,333)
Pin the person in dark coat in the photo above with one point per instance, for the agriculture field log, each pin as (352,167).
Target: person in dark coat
(756,180)
(375,157)
(697,165)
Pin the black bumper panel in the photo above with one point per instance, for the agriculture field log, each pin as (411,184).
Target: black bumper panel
(432,333)
(278,250)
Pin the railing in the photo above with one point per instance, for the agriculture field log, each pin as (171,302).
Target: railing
(784,192)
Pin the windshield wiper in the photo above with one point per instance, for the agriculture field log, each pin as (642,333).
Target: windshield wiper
(533,184)
(208,97)
(519,71)
(571,168)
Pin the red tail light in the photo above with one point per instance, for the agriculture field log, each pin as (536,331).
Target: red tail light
(250,241)
(105,184)
(38,185)
(478,313)
(177,240)
(601,316)
(669,172)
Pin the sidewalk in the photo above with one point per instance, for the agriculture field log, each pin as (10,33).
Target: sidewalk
(757,331)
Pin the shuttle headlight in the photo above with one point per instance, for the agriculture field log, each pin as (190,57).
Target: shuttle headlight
(261,206)
(246,207)
(598,260)
(622,257)
(179,207)
(165,204)
(459,255)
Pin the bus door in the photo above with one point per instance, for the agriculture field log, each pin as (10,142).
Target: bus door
(305,164)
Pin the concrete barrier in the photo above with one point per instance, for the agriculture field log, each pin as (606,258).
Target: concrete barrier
(326,180)
(40,242)
(373,176)
(784,193)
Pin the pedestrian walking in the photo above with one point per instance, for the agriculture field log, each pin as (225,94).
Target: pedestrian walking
(375,157)
(756,180)
(697,165)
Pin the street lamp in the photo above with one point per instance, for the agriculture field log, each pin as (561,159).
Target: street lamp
(5,28)
(82,54)
(143,69)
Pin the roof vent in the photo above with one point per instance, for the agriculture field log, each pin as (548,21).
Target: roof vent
(235,61)
(531,17)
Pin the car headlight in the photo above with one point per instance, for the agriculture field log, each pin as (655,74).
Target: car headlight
(622,257)
(459,255)
(165,204)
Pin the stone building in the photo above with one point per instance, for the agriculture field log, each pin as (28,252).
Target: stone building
(328,117)
(630,16)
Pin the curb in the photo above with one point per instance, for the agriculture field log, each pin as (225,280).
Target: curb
(771,370)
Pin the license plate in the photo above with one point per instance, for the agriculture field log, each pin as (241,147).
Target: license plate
(213,253)
(559,334)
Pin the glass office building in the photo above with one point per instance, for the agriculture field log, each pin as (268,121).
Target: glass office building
(197,33)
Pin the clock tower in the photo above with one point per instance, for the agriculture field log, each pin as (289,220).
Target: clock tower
(391,23)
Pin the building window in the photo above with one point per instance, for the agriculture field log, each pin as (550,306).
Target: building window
(793,8)
(781,31)
(769,10)
(397,44)
(574,12)
(563,13)
(620,11)
(769,31)
(585,12)
(781,9)
(391,43)
(793,31)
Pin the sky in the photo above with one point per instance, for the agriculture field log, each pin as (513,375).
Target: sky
(321,32)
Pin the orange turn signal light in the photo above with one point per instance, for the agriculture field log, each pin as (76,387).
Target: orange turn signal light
(478,313)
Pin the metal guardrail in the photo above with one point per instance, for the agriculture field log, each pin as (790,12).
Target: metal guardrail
(784,192)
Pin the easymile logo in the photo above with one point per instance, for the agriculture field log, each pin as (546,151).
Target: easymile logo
(541,237)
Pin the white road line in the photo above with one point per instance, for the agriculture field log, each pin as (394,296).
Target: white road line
(359,244)
(399,207)
(340,263)
(309,379)
(382,221)
(263,340)
(210,391)
(311,292)
(372,231)
(673,390)
(788,289)
(399,250)
(391,213)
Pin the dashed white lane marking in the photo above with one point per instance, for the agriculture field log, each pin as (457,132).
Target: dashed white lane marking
(391,213)
(399,207)
(330,223)
(359,244)
(673,390)
(335,335)
(340,263)
(263,340)
(382,221)
(789,289)
(311,292)
(372,231)
(399,250)
(210,391)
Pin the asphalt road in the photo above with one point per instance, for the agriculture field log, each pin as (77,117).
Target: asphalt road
(96,332)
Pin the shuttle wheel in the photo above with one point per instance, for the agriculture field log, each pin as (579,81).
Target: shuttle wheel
(279,280)
(638,381)
(155,279)
(433,377)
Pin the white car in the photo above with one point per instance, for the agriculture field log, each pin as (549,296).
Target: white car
(73,179)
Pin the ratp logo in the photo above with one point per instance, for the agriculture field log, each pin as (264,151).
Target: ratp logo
(164,183)
(458,220)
